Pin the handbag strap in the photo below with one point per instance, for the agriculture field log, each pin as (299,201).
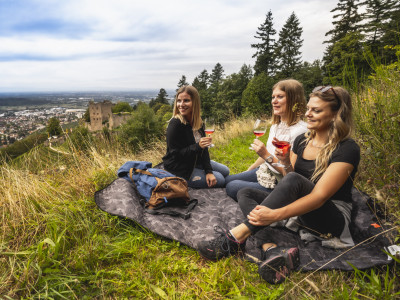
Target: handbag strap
(134,170)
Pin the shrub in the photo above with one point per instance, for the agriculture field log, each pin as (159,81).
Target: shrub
(144,126)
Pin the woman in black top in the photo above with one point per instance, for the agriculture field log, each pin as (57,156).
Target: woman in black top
(187,146)
(319,175)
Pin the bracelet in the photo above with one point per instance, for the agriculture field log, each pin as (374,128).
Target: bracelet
(287,167)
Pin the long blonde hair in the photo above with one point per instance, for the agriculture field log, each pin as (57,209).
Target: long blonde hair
(295,100)
(196,105)
(340,130)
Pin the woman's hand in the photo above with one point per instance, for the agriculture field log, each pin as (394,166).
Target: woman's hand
(211,180)
(284,157)
(205,142)
(262,216)
(260,148)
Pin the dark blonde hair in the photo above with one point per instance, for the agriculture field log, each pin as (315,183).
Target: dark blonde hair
(196,106)
(341,126)
(295,100)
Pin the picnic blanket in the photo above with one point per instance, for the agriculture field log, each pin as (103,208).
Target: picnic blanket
(215,208)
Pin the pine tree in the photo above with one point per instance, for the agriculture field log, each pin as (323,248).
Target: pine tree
(347,21)
(182,82)
(201,83)
(288,47)
(344,35)
(230,94)
(216,78)
(161,98)
(377,16)
(265,55)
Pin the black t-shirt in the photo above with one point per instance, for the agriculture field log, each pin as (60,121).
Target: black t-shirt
(347,151)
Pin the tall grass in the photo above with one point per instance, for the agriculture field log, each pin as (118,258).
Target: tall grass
(377,119)
(55,242)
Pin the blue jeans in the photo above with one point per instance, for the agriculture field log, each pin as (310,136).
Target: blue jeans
(198,178)
(236,182)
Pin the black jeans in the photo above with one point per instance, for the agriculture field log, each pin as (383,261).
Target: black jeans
(326,219)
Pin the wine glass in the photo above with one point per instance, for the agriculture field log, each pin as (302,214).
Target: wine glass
(282,134)
(259,128)
(209,128)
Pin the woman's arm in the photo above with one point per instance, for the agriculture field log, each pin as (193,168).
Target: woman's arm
(331,181)
(263,153)
(256,164)
(180,139)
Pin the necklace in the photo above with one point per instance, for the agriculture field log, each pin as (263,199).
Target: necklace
(312,145)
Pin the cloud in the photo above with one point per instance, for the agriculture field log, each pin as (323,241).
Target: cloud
(129,44)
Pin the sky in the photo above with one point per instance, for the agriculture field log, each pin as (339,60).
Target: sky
(128,45)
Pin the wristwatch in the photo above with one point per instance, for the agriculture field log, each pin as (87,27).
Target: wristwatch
(269,159)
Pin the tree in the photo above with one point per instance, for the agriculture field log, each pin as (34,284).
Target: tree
(346,20)
(86,115)
(346,32)
(201,83)
(182,82)
(143,127)
(377,16)
(230,95)
(347,57)
(265,54)
(53,127)
(122,107)
(257,95)
(216,77)
(310,75)
(161,98)
(288,48)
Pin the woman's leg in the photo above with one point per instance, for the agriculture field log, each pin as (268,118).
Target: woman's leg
(326,219)
(233,187)
(250,176)
(198,179)
(220,168)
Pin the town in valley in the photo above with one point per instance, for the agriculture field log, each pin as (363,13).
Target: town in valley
(22,114)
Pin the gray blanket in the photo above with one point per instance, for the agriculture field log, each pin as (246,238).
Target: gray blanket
(215,208)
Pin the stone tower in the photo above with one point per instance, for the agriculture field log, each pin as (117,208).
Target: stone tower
(99,114)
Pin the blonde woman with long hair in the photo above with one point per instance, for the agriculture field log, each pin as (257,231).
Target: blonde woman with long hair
(187,146)
(319,174)
(288,103)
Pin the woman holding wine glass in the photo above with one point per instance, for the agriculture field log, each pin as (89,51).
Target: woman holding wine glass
(187,145)
(288,103)
(316,189)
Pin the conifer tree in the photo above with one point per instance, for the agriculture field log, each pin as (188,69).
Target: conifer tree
(377,16)
(344,36)
(161,98)
(216,78)
(182,82)
(288,47)
(346,21)
(392,28)
(201,83)
(265,55)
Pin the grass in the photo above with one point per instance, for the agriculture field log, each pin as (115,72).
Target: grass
(56,244)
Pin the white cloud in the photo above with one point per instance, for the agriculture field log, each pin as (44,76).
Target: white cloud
(125,44)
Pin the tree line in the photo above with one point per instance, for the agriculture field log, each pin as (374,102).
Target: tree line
(363,33)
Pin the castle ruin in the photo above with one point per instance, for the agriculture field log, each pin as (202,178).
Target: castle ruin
(101,115)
